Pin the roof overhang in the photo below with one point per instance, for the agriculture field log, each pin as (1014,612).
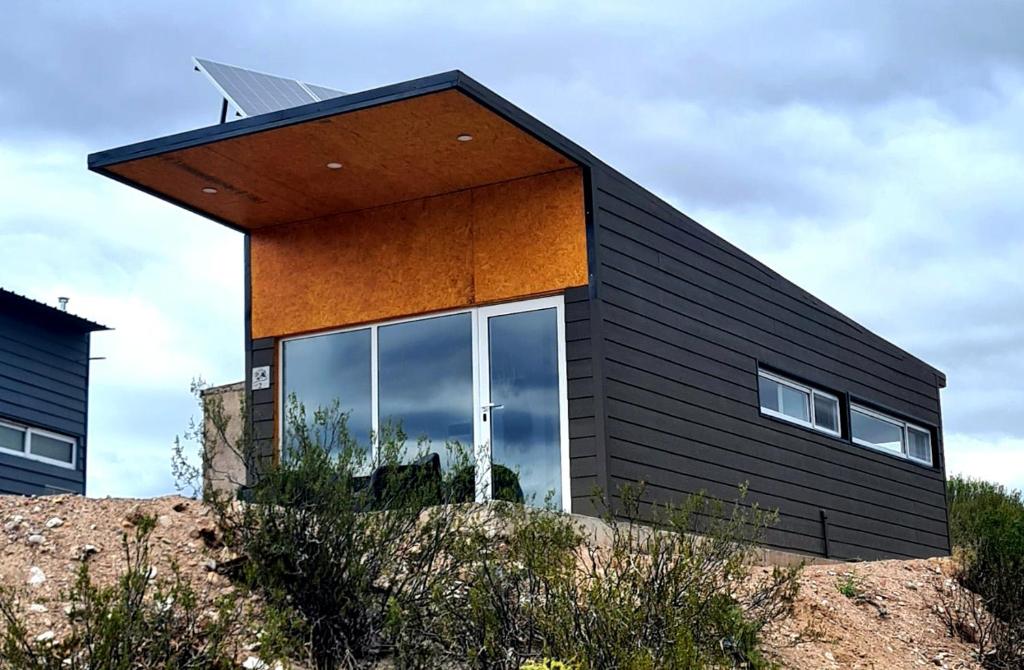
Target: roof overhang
(40,312)
(395,144)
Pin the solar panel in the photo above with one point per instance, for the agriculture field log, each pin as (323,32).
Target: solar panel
(253,93)
(323,92)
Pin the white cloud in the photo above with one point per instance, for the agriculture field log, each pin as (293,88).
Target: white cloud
(167,282)
(999,459)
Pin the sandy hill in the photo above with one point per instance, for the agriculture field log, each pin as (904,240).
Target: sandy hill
(893,623)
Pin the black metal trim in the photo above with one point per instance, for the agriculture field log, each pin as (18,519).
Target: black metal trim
(247,343)
(272,120)
(824,531)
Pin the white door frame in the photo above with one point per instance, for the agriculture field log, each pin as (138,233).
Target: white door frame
(482,427)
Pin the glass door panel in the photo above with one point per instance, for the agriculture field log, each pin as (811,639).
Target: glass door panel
(522,399)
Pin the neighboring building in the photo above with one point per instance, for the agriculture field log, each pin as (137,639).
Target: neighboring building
(430,252)
(44,397)
(223,462)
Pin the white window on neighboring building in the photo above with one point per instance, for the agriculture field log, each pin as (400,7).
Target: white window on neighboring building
(798,403)
(38,444)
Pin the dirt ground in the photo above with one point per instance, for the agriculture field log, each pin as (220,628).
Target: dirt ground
(891,622)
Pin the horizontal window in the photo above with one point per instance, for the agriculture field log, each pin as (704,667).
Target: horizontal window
(885,433)
(52,447)
(798,403)
(38,444)
(12,438)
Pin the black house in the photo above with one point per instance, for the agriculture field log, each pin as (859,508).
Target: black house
(429,252)
(44,397)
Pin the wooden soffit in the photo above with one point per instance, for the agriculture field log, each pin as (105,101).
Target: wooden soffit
(389,153)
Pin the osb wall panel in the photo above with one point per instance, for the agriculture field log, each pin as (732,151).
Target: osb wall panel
(500,242)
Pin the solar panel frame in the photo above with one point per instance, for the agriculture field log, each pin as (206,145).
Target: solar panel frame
(322,92)
(252,93)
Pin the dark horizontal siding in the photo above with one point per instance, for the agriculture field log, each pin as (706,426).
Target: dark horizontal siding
(264,400)
(44,376)
(686,319)
(583,465)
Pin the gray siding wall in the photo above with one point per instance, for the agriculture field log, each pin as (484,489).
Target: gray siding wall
(44,380)
(684,320)
(585,475)
(263,401)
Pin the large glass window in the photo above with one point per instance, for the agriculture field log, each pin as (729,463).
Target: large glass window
(489,378)
(425,379)
(327,368)
(798,403)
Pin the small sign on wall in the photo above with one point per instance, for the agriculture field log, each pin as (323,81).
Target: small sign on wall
(261,377)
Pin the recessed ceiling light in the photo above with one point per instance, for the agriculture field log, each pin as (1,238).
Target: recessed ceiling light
(464,137)
(334,166)
(209,189)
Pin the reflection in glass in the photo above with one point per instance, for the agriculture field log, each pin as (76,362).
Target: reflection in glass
(783,399)
(769,392)
(325,368)
(793,402)
(425,380)
(524,386)
(876,432)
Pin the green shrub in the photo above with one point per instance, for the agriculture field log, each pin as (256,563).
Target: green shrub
(643,597)
(354,573)
(358,561)
(138,623)
(850,586)
(987,531)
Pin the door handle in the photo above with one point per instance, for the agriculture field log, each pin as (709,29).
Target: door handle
(488,407)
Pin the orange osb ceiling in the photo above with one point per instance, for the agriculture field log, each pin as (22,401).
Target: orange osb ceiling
(389,153)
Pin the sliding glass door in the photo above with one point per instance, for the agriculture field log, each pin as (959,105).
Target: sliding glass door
(490,378)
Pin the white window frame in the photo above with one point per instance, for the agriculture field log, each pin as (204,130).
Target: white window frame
(904,451)
(481,429)
(811,393)
(26,452)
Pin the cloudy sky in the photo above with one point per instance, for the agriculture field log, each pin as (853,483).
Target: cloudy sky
(871,152)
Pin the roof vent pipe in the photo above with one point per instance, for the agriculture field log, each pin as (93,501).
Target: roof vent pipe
(63,303)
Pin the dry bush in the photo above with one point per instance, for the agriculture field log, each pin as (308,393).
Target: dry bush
(138,623)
